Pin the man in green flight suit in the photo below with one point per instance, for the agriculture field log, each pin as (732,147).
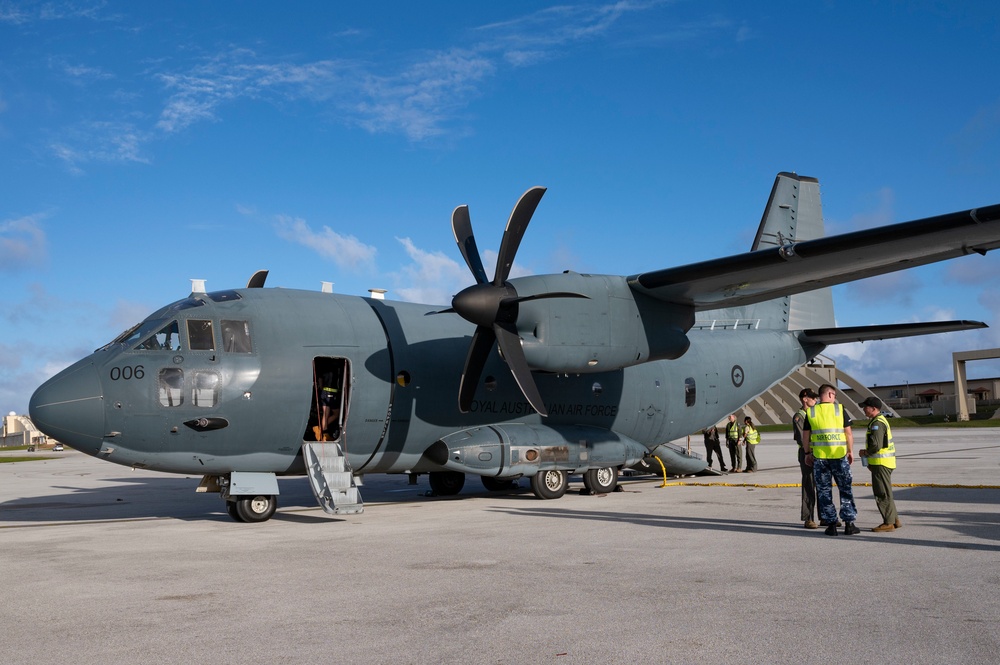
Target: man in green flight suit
(880,454)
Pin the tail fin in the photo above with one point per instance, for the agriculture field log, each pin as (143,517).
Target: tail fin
(794,212)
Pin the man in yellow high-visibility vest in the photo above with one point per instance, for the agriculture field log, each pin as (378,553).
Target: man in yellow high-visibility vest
(880,454)
(828,444)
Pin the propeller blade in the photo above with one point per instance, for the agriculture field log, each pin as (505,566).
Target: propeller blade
(257,280)
(479,351)
(510,346)
(516,226)
(461,226)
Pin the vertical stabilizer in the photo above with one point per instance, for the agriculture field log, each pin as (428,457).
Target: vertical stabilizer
(793,213)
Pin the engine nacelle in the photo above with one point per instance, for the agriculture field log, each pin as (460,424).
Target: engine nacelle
(611,328)
(513,450)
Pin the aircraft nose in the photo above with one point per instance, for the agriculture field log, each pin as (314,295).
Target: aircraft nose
(69,407)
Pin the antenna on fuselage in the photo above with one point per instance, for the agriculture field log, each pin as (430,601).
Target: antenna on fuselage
(378,294)
(327,287)
(198,286)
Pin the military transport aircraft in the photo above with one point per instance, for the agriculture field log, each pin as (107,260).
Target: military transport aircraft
(543,377)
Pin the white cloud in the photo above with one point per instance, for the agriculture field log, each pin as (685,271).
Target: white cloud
(22,243)
(345,251)
(101,142)
(235,75)
(432,277)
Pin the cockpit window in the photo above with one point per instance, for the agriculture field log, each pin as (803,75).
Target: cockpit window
(236,336)
(200,335)
(167,339)
(224,296)
(140,331)
(187,303)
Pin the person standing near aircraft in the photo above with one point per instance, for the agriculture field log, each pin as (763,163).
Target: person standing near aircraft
(880,454)
(829,447)
(808,398)
(733,443)
(751,437)
(712,445)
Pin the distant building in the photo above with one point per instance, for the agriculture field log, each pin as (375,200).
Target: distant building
(20,431)
(938,397)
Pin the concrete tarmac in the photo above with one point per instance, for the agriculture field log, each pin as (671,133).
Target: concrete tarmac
(102,564)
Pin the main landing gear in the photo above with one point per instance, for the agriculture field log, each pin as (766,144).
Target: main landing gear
(553,484)
(257,496)
(549,484)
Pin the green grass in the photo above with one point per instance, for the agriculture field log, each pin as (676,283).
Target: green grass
(7,460)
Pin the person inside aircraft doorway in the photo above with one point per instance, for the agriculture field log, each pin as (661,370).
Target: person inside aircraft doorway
(329,400)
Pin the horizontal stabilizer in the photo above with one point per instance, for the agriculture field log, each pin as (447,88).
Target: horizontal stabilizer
(827,336)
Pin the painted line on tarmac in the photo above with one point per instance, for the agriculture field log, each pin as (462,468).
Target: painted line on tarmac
(772,485)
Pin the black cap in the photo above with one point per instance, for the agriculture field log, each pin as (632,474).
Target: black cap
(873,402)
(808,392)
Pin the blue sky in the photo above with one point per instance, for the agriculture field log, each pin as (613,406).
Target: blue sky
(145,144)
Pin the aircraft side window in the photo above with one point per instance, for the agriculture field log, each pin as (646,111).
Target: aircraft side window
(169,382)
(200,335)
(205,389)
(236,336)
(690,392)
(167,339)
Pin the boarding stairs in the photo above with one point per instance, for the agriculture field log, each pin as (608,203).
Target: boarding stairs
(331,477)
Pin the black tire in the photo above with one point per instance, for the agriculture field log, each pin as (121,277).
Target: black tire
(601,481)
(549,484)
(495,484)
(258,508)
(231,509)
(446,483)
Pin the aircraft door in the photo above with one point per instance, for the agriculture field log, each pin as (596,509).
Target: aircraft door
(330,399)
(712,388)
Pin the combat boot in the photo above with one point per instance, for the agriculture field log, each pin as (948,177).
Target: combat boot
(884,528)
(831,530)
(898,524)
(850,529)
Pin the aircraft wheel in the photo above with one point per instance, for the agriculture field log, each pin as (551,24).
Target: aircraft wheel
(601,481)
(495,484)
(231,509)
(549,484)
(446,483)
(258,508)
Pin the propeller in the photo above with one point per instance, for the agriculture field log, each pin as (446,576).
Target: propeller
(493,305)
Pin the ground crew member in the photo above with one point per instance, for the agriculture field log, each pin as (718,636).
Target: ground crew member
(880,453)
(733,443)
(712,446)
(808,398)
(751,437)
(829,447)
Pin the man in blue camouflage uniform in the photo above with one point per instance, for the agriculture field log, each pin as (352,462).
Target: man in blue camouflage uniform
(828,444)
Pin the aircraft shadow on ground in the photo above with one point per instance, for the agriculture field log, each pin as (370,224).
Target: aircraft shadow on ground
(138,498)
(130,498)
(973,525)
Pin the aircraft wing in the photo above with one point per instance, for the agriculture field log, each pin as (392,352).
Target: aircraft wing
(796,267)
(827,336)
